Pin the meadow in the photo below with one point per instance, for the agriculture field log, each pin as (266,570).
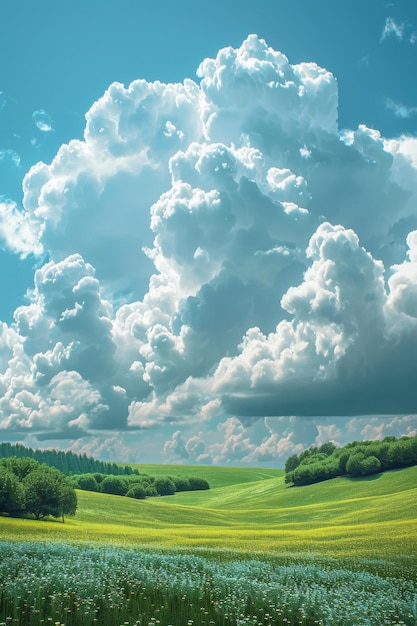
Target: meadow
(251,550)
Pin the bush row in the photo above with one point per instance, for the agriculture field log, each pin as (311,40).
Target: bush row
(359,458)
(138,486)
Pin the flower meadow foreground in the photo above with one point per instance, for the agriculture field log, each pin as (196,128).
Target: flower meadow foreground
(66,585)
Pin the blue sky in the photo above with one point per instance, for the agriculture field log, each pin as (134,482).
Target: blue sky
(208,226)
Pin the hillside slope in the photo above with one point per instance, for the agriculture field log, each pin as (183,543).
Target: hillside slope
(250,510)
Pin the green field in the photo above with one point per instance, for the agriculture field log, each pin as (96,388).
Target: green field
(250,551)
(248,510)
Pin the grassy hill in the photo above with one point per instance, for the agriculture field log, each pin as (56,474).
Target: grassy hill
(250,510)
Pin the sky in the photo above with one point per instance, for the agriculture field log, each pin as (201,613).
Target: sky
(208,227)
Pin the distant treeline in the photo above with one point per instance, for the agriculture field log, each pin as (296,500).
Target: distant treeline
(138,486)
(359,458)
(68,463)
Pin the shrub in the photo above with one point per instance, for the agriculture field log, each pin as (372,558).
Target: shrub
(134,479)
(181,484)
(115,485)
(343,459)
(358,458)
(361,465)
(164,486)
(353,465)
(150,491)
(404,452)
(198,483)
(87,482)
(370,465)
(136,491)
(311,460)
(289,478)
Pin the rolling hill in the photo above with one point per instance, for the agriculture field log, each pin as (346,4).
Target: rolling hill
(249,510)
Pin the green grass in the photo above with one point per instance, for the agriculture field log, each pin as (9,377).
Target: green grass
(216,476)
(249,510)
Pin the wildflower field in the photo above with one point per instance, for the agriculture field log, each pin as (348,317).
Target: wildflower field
(249,551)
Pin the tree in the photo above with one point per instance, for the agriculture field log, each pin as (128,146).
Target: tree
(327,448)
(291,463)
(21,466)
(48,492)
(11,494)
(68,500)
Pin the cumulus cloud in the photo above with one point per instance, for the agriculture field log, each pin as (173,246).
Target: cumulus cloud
(94,197)
(347,348)
(218,252)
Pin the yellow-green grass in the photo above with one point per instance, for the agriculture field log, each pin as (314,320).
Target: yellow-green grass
(216,476)
(249,510)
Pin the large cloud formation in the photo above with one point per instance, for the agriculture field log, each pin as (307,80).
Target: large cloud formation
(217,252)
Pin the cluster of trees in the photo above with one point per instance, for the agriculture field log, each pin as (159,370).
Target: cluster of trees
(66,462)
(28,487)
(359,458)
(138,486)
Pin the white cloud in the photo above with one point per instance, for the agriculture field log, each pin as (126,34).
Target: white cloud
(347,346)
(94,197)
(270,441)
(400,110)
(397,426)
(401,31)
(392,29)
(10,156)
(42,121)
(218,252)
(16,230)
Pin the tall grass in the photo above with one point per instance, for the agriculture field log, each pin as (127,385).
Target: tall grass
(85,586)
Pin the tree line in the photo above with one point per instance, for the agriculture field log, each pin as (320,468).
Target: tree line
(68,463)
(28,487)
(358,458)
(138,486)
